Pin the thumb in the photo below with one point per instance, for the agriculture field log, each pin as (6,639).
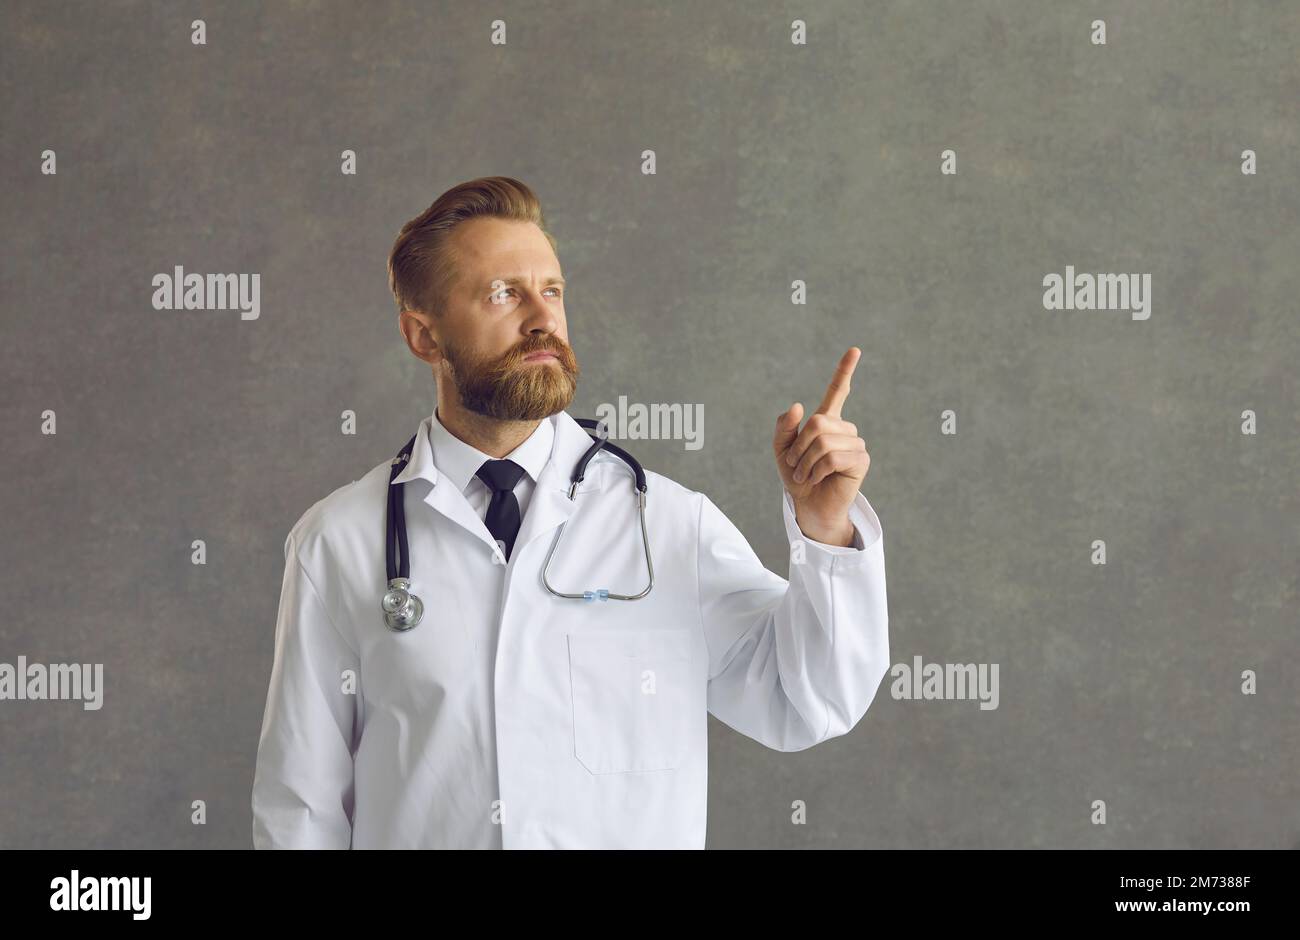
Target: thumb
(787,428)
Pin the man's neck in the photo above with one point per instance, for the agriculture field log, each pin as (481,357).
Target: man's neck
(492,436)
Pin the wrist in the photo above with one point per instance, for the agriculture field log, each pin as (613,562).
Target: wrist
(839,533)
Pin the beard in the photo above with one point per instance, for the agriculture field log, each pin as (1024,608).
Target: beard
(508,389)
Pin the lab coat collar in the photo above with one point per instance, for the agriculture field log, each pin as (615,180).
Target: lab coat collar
(550,504)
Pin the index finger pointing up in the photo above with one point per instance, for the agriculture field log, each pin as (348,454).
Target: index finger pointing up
(838,390)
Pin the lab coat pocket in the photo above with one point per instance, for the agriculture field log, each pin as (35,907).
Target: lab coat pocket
(631,701)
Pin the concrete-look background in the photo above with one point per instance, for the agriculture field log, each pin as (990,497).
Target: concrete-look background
(776,162)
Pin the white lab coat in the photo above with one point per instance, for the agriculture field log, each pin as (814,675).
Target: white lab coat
(510,718)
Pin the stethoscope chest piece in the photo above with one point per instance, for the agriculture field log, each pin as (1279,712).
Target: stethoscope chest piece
(402,609)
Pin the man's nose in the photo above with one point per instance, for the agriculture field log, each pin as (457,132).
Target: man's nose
(539,315)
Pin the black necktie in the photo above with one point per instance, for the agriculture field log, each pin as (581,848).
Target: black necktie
(503,511)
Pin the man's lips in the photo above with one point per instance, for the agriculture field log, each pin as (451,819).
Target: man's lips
(537,356)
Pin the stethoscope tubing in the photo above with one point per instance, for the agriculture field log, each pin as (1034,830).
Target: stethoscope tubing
(403,610)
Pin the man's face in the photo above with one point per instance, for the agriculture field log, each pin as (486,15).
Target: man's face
(507,305)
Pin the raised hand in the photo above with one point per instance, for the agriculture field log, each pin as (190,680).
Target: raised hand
(823,465)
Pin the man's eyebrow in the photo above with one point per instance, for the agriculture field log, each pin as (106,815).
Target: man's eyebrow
(511,281)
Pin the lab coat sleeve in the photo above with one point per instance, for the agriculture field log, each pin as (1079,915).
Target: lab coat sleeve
(303,783)
(793,663)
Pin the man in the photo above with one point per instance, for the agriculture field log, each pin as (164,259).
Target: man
(510,717)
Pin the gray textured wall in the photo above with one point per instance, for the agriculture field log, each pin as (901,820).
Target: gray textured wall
(775,162)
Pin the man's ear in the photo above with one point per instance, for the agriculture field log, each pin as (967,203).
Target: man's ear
(416,328)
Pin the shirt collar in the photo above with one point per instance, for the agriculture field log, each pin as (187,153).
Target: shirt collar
(569,442)
(459,462)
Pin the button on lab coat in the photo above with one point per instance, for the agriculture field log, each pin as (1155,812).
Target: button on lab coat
(511,718)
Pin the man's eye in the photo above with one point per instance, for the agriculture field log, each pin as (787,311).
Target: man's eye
(494,298)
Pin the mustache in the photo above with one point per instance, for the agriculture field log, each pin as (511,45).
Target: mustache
(557,347)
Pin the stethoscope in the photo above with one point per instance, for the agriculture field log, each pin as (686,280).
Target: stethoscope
(404,610)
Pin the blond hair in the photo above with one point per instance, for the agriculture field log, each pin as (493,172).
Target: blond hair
(422,264)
